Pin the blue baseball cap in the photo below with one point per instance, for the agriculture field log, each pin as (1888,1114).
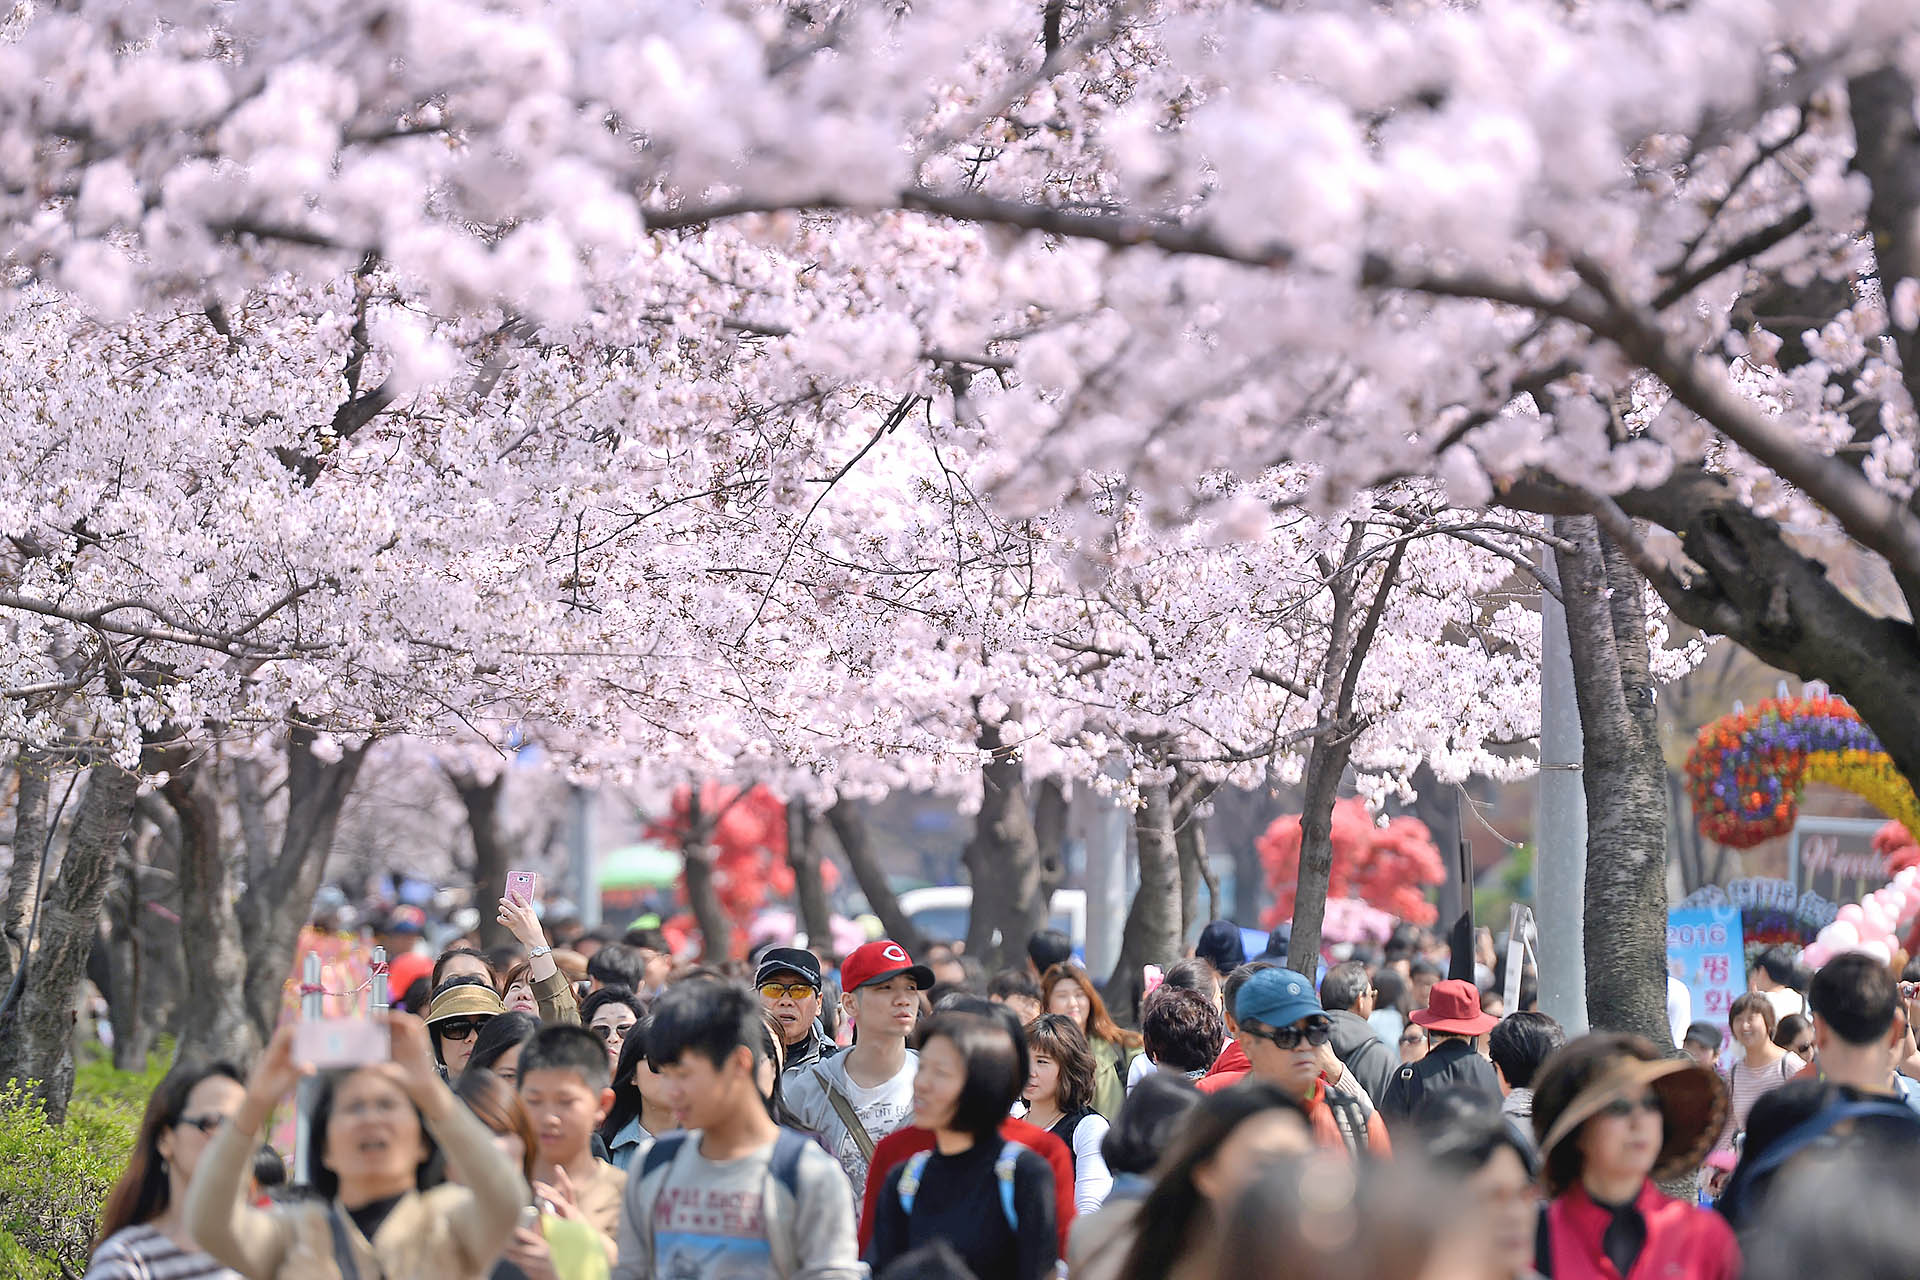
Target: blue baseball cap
(1276,997)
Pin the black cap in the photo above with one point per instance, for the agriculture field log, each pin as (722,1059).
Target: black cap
(789,960)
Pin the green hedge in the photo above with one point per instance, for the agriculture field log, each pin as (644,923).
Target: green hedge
(54,1179)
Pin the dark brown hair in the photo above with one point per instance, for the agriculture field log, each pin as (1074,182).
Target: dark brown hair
(496,1105)
(1055,1035)
(1754,1000)
(1561,1079)
(1100,1024)
(144,1190)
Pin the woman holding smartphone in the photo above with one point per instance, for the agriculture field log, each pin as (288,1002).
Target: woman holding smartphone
(377,1133)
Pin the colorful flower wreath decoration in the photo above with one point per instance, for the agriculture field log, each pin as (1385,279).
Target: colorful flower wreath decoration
(1747,770)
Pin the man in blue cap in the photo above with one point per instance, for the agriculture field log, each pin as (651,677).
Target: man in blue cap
(1285,1032)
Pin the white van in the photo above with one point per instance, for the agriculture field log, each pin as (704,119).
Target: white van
(940,913)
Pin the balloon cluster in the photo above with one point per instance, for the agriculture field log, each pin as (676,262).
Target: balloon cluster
(1872,926)
(1747,770)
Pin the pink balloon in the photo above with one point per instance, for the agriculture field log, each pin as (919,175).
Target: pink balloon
(1840,935)
(1878,950)
(1849,914)
(1816,955)
(1907,877)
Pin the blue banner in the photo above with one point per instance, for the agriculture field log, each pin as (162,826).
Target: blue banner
(1704,951)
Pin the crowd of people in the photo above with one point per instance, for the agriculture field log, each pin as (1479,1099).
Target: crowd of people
(604,1110)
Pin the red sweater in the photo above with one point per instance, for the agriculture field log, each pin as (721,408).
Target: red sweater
(1326,1130)
(901,1143)
(1682,1240)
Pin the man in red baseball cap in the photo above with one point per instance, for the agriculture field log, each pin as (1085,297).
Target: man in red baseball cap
(856,1098)
(1453,1021)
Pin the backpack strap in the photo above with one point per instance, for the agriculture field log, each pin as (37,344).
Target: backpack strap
(783,1170)
(1003,1174)
(851,1119)
(910,1179)
(660,1155)
(1543,1243)
(785,1165)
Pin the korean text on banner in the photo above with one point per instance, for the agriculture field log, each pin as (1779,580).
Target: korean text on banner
(1704,951)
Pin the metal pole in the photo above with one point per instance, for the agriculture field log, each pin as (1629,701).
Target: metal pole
(312,1007)
(377,992)
(580,855)
(1106,880)
(1560,826)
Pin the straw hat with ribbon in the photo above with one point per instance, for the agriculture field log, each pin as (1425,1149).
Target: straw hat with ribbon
(1693,1104)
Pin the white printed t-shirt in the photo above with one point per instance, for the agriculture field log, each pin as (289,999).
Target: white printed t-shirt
(882,1109)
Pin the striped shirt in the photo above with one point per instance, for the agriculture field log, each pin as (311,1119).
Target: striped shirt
(142,1253)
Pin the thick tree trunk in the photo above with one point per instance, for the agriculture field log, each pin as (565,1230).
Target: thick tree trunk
(849,823)
(1051,810)
(280,893)
(1625,781)
(36,1033)
(1152,931)
(1003,859)
(33,778)
(1326,762)
(809,887)
(703,895)
(216,1023)
(119,945)
(490,854)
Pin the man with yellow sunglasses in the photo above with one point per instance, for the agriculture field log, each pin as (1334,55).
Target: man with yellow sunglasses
(789,983)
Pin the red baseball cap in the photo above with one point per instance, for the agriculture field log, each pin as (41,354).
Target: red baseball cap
(879,961)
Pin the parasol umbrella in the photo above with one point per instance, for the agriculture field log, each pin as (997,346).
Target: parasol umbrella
(646,865)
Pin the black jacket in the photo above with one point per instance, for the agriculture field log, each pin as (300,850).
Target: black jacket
(1452,1064)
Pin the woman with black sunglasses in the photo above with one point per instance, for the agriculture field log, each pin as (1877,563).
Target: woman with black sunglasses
(454,1018)
(143,1231)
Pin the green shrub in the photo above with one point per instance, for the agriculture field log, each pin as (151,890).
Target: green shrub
(54,1179)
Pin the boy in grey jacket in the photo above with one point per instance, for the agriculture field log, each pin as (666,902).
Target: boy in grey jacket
(734,1195)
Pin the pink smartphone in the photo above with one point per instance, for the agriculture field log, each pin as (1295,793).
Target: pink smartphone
(325,1043)
(521,884)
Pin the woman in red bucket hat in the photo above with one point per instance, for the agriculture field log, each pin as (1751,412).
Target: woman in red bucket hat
(1453,1021)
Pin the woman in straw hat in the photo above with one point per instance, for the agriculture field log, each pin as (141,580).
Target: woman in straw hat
(1612,1115)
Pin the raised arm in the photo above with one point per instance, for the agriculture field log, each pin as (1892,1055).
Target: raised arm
(550,988)
(251,1241)
(483,1218)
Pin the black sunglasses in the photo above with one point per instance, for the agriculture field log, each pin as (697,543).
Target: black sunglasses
(1315,1033)
(603,1033)
(459,1028)
(205,1124)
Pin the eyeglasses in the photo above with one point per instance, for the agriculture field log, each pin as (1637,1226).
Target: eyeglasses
(1315,1033)
(1413,1037)
(1621,1108)
(205,1124)
(604,1032)
(787,990)
(458,1028)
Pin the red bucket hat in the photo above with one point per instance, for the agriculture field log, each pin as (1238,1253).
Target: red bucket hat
(1454,1007)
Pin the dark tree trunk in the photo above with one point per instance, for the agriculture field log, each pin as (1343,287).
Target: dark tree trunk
(1333,745)
(1051,810)
(849,823)
(33,778)
(119,945)
(1152,931)
(280,892)
(1003,859)
(809,887)
(490,854)
(156,921)
(703,896)
(1625,782)
(216,1023)
(36,1033)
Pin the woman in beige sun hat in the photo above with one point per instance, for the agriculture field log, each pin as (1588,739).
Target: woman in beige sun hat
(1612,1115)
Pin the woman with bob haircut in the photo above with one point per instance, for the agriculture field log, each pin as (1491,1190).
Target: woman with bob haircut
(557,1249)
(1221,1145)
(376,1132)
(1763,1065)
(993,1201)
(143,1230)
(1059,1096)
(1612,1115)
(1065,988)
